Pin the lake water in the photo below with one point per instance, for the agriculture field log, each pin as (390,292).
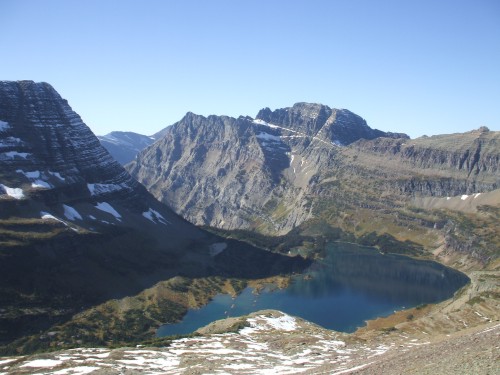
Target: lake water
(351,285)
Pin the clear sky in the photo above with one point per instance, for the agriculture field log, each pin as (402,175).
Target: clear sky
(420,67)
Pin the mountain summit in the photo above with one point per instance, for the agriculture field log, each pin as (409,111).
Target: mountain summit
(339,126)
(222,171)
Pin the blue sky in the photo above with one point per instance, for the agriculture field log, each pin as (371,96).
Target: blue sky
(420,67)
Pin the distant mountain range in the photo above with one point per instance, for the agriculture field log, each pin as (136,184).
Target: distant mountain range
(124,146)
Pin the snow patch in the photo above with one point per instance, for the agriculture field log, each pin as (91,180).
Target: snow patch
(217,248)
(262,323)
(464,197)
(106,207)
(4,126)
(98,189)
(41,184)
(268,137)
(42,363)
(155,217)
(13,154)
(352,369)
(10,142)
(3,361)
(16,193)
(79,370)
(476,195)
(58,175)
(71,213)
(35,175)
(32,174)
(46,216)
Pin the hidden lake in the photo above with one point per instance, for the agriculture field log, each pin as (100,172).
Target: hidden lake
(350,285)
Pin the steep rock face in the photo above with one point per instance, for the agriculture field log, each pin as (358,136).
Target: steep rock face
(274,172)
(208,168)
(124,146)
(241,173)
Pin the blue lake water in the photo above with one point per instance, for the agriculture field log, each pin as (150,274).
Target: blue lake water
(350,285)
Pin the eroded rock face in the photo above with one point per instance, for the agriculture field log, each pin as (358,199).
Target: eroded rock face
(267,173)
(54,147)
(242,173)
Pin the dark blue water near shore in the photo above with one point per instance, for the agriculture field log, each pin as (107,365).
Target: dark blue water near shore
(350,285)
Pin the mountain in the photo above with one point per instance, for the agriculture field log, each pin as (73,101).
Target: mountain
(77,230)
(124,146)
(309,172)
(224,172)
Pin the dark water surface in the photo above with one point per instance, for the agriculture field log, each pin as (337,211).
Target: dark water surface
(352,284)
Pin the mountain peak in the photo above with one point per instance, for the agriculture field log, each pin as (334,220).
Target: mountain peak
(339,126)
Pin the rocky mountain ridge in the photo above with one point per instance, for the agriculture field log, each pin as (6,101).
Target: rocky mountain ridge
(267,173)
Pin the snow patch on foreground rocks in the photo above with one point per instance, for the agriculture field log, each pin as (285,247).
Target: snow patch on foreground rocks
(262,322)
(273,343)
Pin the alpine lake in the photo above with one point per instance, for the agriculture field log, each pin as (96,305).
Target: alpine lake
(350,285)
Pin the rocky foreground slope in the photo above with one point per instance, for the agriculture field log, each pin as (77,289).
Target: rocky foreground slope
(276,343)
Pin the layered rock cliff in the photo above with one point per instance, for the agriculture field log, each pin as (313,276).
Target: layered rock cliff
(232,173)
(278,170)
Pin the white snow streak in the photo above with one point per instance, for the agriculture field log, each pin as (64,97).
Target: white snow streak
(4,126)
(46,216)
(268,137)
(155,217)
(13,154)
(106,207)
(71,213)
(58,175)
(97,189)
(42,363)
(79,370)
(282,323)
(41,184)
